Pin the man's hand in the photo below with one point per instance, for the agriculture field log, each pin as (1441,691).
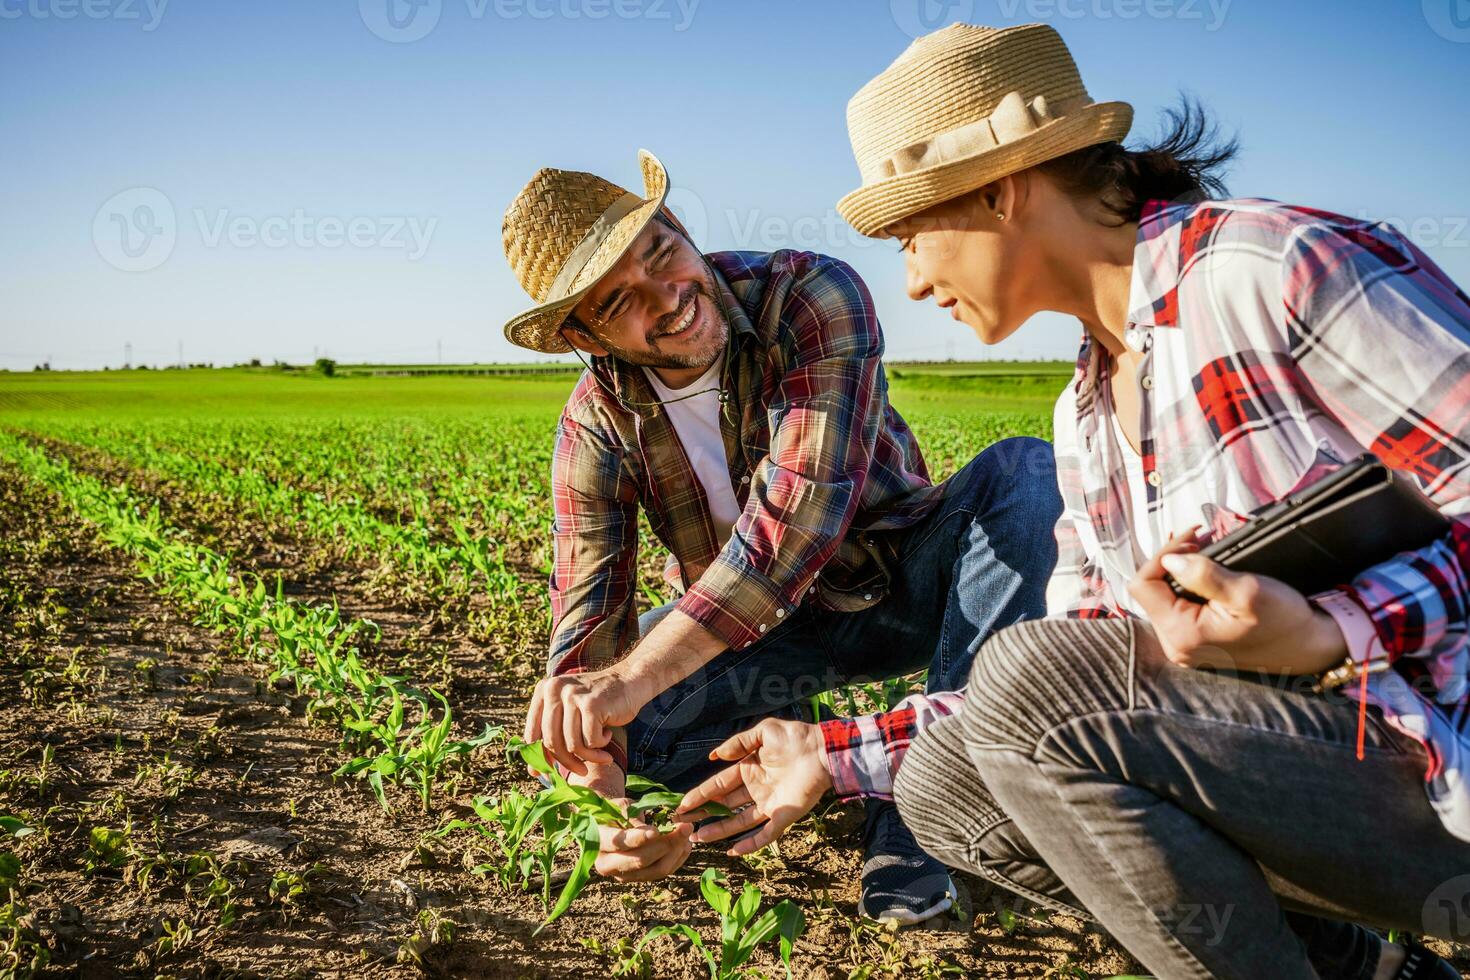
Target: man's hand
(642,853)
(573,715)
(780,771)
(1247,622)
(638,853)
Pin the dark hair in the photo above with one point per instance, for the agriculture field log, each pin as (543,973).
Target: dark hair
(1186,164)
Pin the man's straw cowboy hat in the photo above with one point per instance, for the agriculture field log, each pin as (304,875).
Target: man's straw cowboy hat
(963,107)
(563,231)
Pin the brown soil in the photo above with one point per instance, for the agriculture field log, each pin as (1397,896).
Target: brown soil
(158,725)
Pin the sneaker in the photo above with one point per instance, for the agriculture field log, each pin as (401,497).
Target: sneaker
(901,883)
(1421,964)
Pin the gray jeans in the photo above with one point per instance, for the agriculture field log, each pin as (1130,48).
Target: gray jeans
(1217,824)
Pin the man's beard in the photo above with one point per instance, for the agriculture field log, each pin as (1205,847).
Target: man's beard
(703,358)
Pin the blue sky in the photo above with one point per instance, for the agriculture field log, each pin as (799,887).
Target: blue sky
(329,175)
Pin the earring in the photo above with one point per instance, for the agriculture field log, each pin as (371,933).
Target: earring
(1000,216)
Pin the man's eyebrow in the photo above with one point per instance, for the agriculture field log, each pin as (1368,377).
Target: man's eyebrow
(601,308)
(653,246)
(657,243)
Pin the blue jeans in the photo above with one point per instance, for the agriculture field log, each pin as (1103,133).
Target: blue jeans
(977,563)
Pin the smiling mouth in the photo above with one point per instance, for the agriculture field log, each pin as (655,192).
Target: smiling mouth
(684,322)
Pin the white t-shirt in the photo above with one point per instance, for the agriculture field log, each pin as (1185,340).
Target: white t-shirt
(1143,537)
(697,421)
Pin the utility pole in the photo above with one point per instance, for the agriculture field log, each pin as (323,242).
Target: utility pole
(127,355)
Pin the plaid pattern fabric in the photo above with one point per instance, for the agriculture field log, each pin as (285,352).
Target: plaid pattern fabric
(1277,342)
(817,458)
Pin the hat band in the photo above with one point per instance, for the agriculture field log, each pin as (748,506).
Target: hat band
(577,260)
(1012,119)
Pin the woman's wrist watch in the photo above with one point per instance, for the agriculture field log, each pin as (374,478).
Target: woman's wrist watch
(1365,653)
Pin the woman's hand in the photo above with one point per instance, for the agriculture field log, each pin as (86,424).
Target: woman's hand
(1247,622)
(780,773)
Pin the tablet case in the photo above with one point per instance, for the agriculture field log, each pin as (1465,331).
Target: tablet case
(1323,536)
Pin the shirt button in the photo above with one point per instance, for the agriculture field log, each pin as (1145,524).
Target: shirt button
(1148,382)
(811,591)
(867,595)
(780,613)
(763,627)
(1154,479)
(745,479)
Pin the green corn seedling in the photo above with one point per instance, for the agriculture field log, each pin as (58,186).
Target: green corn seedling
(566,816)
(741,931)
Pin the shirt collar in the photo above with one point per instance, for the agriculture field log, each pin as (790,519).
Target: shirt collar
(1153,289)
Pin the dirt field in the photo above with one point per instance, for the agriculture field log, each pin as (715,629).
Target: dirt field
(187,822)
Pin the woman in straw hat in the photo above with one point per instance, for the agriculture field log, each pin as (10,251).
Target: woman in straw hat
(1218,822)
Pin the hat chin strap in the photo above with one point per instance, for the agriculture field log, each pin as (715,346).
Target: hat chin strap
(577,259)
(632,406)
(1012,119)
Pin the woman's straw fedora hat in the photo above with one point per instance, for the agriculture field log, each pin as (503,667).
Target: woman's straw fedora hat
(965,106)
(562,232)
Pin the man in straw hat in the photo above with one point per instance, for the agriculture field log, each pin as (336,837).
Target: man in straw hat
(739,401)
(1220,822)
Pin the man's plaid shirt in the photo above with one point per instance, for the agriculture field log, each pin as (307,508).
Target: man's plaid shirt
(1278,342)
(817,458)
